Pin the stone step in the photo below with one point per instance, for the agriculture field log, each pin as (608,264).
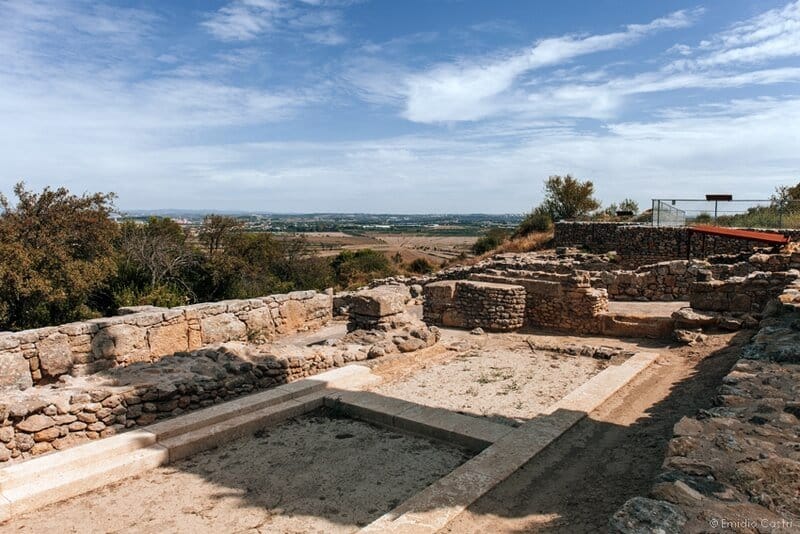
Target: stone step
(62,484)
(208,437)
(80,457)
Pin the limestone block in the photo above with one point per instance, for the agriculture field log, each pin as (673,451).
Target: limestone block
(293,316)
(14,370)
(55,355)
(259,322)
(123,343)
(168,339)
(379,302)
(221,328)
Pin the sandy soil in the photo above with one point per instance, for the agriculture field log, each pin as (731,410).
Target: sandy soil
(508,383)
(577,483)
(645,309)
(315,473)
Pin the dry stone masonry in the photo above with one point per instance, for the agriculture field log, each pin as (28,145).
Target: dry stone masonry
(45,354)
(470,304)
(157,368)
(637,244)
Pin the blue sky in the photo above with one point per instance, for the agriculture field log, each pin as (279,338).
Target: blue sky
(398,106)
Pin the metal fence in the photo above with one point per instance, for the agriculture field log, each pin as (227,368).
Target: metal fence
(750,213)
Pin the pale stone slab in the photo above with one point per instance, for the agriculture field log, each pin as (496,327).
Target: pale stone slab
(65,483)
(79,457)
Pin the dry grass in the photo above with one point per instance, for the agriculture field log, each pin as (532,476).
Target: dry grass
(528,243)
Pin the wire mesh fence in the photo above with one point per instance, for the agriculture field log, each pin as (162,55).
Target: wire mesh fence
(751,213)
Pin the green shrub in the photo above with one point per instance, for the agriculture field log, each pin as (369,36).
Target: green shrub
(493,239)
(537,221)
(352,268)
(420,266)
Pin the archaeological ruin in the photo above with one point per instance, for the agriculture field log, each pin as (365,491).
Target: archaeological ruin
(487,369)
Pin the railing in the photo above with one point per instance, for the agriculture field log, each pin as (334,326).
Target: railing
(736,213)
(665,214)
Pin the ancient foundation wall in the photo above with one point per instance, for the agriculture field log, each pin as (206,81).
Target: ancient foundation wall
(737,461)
(468,304)
(664,281)
(558,301)
(643,244)
(741,294)
(42,355)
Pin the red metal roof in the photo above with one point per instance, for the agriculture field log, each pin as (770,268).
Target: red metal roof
(750,235)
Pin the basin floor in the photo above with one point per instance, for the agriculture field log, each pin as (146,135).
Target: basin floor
(315,473)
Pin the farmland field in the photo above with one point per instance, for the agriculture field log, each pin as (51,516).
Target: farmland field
(410,246)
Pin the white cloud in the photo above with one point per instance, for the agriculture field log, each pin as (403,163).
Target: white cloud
(467,91)
(771,35)
(245,20)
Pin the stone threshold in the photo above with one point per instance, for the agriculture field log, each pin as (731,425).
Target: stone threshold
(433,508)
(33,484)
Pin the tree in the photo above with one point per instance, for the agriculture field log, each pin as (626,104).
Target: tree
(358,267)
(216,230)
(56,249)
(629,204)
(568,198)
(158,249)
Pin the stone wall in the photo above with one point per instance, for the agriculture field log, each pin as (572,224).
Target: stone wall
(567,302)
(469,304)
(643,244)
(736,462)
(664,281)
(741,294)
(43,355)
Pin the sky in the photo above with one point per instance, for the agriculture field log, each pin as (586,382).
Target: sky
(398,106)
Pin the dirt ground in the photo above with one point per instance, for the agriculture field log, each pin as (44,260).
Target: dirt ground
(508,384)
(578,482)
(316,473)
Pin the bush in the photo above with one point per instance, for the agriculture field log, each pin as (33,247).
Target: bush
(537,221)
(353,268)
(493,239)
(703,218)
(420,266)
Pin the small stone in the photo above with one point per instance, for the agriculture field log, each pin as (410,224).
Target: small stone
(48,434)
(96,427)
(677,492)
(24,441)
(477,331)
(687,426)
(35,423)
(41,448)
(6,434)
(77,426)
(87,417)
